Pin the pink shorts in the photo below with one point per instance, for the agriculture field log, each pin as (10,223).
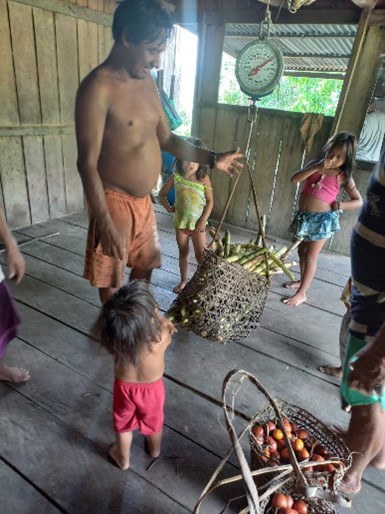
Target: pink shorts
(138,405)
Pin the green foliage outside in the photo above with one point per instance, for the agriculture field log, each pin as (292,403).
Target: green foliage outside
(298,94)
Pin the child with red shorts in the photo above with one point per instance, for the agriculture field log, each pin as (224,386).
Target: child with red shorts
(132,329)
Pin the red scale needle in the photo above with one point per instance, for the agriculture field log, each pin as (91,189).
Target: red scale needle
(256,70)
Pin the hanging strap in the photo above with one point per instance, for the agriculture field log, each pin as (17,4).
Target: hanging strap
(251,118)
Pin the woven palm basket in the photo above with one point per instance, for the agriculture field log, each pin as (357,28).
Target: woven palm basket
(222,302)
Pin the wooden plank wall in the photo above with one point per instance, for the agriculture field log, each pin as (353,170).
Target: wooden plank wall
(276,152)
(46,48)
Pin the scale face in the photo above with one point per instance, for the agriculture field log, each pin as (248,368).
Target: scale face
(259,68)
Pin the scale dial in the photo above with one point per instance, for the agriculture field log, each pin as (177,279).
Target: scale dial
(259,68)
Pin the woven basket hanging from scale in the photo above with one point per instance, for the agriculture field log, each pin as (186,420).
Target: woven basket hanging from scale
(224,301)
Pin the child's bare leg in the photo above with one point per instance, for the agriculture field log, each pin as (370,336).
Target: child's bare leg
(13,374)
(154,443)
(120,450)
(366,436)
(199,242)
(302,249)
(106,292)
(379,460)
(310,266)
(182,240)
(140,274)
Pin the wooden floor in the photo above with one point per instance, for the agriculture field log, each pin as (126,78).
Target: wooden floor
(56,429)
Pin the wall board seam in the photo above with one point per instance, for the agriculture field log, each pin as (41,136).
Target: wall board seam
(36,130)
(75,11)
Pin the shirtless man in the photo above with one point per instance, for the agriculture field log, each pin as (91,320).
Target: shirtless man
(121,129)
(363,381)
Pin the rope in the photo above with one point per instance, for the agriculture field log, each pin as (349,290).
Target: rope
(251,118)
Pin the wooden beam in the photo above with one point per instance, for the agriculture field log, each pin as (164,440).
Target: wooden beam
(314,54)
(76,11)
(304,37)
(315,75)
(36,130)
(360,77)
(210,49)
(302,17)
(377,17)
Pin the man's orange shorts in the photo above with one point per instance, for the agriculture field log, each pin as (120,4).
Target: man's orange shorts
(135,219)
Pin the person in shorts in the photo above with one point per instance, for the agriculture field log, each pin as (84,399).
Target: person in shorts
(132,329)
(9,317)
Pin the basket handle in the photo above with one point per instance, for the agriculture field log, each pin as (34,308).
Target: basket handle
(251,118)
(245,374)
(251,489)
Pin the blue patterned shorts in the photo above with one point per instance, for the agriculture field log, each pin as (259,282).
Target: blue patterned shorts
(314,226)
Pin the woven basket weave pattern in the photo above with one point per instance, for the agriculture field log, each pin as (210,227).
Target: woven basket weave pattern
(324,436)
(223,300)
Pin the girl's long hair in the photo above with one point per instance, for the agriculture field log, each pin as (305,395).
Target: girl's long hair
(202,170)
(128,323)
(349,142)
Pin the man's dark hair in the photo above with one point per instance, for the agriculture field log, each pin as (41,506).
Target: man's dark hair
(128,323)
(141,21)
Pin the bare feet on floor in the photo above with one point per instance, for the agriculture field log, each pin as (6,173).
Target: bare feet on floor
(293,284)
(179,288)
(114,455)
(13,374)
(293,301)
(333,371)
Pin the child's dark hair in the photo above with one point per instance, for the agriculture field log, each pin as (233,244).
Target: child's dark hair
(349,142)
(202,170)
(128,323)
(141,21)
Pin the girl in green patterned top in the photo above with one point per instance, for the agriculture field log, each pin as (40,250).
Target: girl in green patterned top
(193,206)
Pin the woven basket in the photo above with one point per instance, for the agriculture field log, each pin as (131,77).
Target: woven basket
(261,483)
(316,429)
(328,481)
(223,301)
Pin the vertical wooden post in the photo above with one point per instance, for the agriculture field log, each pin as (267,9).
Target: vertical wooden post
(361,76)
(210,48)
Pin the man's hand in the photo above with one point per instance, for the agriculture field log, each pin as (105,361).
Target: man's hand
(229,162)
(16,264)
(368,372)
(111,241)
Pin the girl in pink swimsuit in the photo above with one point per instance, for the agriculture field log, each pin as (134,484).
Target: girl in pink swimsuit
(318,216)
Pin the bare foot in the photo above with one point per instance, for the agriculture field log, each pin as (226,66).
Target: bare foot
(295,300)
(13,374)
(294,284)
(350,485)
(333,371)
(179,288)
(114,454)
